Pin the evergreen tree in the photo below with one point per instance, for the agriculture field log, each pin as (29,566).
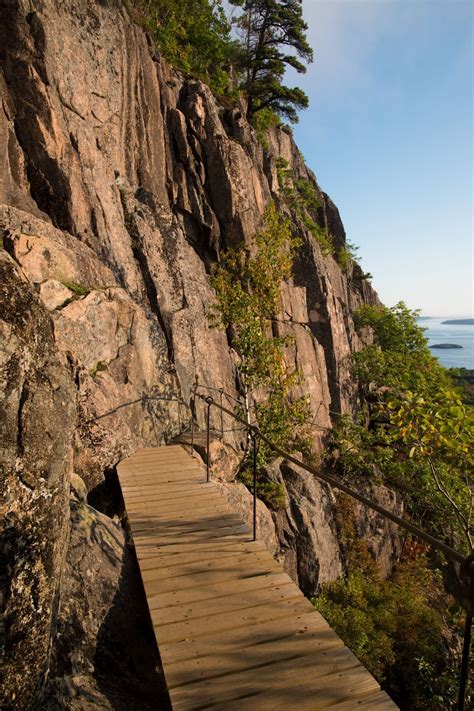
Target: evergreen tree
(270,29)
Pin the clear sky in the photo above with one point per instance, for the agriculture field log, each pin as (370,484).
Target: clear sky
(389,134)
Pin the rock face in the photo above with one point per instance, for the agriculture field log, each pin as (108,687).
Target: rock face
(120,184)
(37,413)
(106,655)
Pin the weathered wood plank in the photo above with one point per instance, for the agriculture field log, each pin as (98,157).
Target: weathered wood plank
(213,591)
(172,537)
(290,603)
(379,701)
(252,657)
(339,663)
(172,489)
(177,555)
(169,524)
(179,506)
(195,575)
(151,546)
(234,639)
(311,695)
(228,603)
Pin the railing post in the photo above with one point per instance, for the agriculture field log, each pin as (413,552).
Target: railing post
(467,572)
(254,436)
(192,428)
(193,410)
(209,401)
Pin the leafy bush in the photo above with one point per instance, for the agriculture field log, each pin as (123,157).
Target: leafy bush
(395,328)
(272,494)
(391,625)
(262,122)
(302,198)
(416,434)
(345,255)
(247,303)
(193,35)
(77,289)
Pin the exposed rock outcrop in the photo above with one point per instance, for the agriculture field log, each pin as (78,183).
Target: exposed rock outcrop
(121,182)
(37,414)
(105,656)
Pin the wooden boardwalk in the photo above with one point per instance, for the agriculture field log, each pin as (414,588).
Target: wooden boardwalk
(233,630)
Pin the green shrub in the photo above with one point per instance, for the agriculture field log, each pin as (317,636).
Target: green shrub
(262,122)
(391,625)
(415,433)
(272,494)
(98,368)
(247,302)
(194,36)
(77,289)
(302,198)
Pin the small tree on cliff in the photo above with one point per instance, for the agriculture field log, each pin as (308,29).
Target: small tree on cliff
(271,28)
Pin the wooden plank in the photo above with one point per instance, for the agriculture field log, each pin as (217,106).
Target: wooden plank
(163,462)
(234,639)
(192,473)
(194,479)
(182,510)
(379,701)
(203,488)
(307,694)
(204,573)
(203,510)
(191,494)
(339,663)
(196,536)
(253,657)
(158,451)
(177,524)
(210,624)
(163,459)
(177,555)
(151,546)
(149,487)
(227,603)
(213,591)
(141,470)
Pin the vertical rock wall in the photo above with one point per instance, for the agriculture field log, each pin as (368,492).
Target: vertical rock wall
(37,414)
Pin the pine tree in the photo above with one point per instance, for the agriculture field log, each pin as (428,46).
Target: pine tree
(270,29)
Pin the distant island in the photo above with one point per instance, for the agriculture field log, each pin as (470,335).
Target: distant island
(445,345)
(460,322)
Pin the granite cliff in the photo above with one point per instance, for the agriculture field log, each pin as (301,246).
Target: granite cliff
(121,181)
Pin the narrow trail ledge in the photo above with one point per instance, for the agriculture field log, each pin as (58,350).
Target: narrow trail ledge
(233,630)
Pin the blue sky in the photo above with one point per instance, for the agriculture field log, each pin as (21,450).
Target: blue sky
(389,135)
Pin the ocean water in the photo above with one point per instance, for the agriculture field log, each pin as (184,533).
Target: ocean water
(437,332)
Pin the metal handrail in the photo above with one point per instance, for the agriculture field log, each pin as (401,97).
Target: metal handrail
(142,399)
(466,562)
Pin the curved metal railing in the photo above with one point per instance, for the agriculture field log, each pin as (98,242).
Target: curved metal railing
(466,563)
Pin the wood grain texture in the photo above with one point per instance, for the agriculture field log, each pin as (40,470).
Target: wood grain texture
(233,630)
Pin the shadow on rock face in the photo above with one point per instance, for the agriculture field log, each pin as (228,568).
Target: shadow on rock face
(107,497)
(104,651)
(126,643)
